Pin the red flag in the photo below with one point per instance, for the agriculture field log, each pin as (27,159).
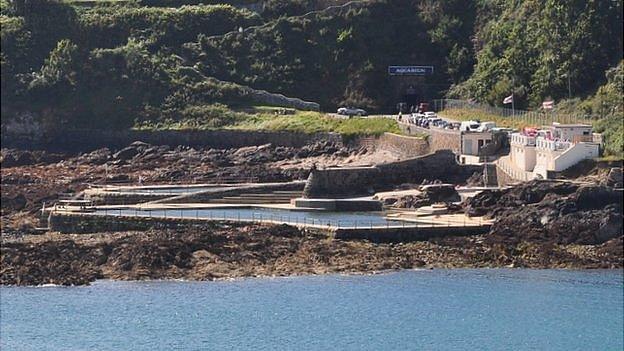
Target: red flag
(548,105)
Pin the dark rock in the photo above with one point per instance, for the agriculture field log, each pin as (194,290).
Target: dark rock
(592,197)
(433,193)
(15,203)
(551,212)
(126,153)
(614,178)
(96,157)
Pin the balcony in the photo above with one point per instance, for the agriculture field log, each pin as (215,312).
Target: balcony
(552,145)
(524,140)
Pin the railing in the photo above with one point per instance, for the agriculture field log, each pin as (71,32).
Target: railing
(298,221)
(517,138)
(552,144)
(531,117)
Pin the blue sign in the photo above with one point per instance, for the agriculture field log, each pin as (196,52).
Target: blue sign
(410,70)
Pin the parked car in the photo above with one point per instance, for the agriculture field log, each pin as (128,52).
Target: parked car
(442,124)
(430,114)
(351,111)
(469,126)
(485,126)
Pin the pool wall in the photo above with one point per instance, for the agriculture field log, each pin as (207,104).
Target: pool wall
(80,223)
(384,235)
(89,223)
(204,196)
(102,197)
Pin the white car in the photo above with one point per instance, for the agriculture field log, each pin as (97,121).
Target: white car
(485,126)
(430,114)
(469,126)
(350,111)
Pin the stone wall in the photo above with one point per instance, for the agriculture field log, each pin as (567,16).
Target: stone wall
(444,140)
(438,165)
(502,178)
(438,139)
(343,182)
(403,145)
(86,140)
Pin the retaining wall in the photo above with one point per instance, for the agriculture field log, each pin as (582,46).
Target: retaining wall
(502,178)
(438,139)
(342,182)
(407,146)
(86,140)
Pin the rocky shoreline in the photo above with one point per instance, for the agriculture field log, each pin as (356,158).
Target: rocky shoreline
(218,251)
(537,224)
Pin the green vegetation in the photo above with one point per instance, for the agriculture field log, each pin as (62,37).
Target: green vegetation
(535,47)
(266,118)
(313,122)
(343,59)
(608,100)
(118,64)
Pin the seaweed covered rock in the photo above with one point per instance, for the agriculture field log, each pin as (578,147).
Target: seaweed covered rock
(561,213)
(491,202)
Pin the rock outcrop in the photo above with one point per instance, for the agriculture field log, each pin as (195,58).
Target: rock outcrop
(216,251)
(555,212)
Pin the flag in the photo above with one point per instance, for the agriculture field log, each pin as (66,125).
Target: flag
(548,105)
(508,100)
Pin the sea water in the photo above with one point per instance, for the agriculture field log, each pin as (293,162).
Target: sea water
(336,219)
(490,309)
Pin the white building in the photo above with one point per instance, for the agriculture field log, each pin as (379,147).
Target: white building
(552,149)
(472,142)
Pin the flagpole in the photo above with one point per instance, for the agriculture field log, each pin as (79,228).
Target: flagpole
(513,86)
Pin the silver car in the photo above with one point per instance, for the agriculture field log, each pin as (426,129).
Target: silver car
(350,111)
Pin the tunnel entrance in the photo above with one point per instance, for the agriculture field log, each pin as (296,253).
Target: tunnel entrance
(408,94)
(409,86)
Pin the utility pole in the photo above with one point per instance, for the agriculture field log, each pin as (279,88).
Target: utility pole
(569,87)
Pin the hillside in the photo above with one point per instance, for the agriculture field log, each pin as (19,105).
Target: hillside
(115,64)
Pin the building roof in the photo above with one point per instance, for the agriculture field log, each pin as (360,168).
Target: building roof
(560,125)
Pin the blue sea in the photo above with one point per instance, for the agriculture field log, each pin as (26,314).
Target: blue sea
(481,309)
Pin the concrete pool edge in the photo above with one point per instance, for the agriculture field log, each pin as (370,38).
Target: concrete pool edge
(82,223)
